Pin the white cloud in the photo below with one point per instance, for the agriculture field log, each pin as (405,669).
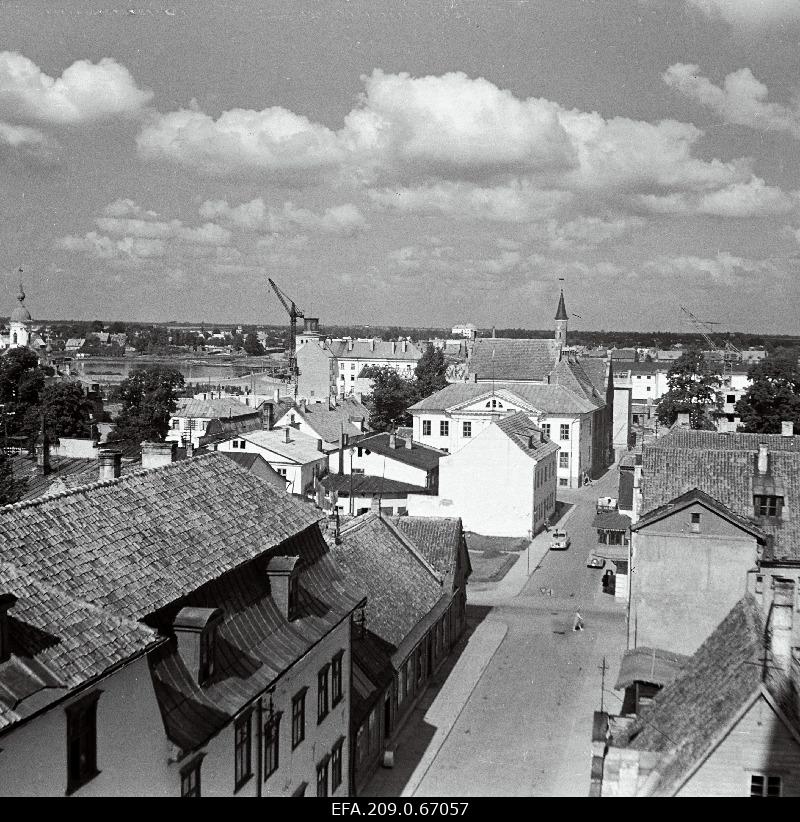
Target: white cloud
(750,13)
(723,269)
(106,248)
(742,100)
(84,92)
(128,208)
(517,202)
(273,140)
(584,232)
(741,200)
(26,143)
(255,215)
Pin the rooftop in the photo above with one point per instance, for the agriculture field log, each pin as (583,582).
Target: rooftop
(526,435)
(375,350)
(512,359)
(213,409)
(418,456)
(300,449)
(346,484)
(329,423)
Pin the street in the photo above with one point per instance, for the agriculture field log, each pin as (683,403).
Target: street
(522,726)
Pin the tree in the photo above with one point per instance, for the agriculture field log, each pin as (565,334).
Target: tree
(252,345)
(11,490)
(67,410)
(773,395)
(693,384)
(21,384)
(149,398)
(390,398)
(430,372)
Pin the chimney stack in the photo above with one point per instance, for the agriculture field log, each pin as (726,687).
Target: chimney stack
(276,395)
(189,448)
(372,344)
(405,346)
(787,428)
(763,459)
(319,445)
(341,453)
(156,454)
(531,441)
(780,633)
(110,464)
(375,505)
(286,432)
(392,441)
(409,443)
(43,456)
(281,572)
(7,601)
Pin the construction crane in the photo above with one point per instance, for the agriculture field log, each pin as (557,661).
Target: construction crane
(729,351)
(294,312)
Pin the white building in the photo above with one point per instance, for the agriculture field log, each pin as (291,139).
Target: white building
(192,417)
(20,329)
(295,456)
(468,331)
(327,421)
(354,355)
(501,483)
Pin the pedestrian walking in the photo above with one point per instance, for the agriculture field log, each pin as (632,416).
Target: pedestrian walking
(577,624)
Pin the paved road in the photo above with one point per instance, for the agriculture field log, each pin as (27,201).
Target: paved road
(525,727)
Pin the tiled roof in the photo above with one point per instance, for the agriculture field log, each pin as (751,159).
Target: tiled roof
(301,448)
(688,716)
(213,409)
(419,456)
(140,542)
(597,371)
(724,466)
(368,484)
(255,642)
(380,350)
(550,399)
(32,483)
(401,588)
(58,641)
(623,353)
(438,539)
(512,359)
(521,430)
(611,521)
(328,422)
(570,374)
(625,493)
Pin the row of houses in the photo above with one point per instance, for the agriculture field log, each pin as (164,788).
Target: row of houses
(710,677)
(189,629)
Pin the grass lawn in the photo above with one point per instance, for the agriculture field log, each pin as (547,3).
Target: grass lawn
(490,566)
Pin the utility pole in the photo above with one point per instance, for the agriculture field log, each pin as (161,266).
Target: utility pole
(602,683)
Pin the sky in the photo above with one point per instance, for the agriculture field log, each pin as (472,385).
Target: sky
(404,162)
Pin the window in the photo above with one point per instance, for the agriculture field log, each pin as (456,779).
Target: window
(191,424)
(426,428)
(730,398)
(272,739)
(761,785)
(322,694)
(564,431)
(241,751)
(546,429)
(695,522)
(352,366)
(207,653)
(767,506)
(82,742)
(444,428)
(299,718)
(336,765)
(236,443)
(336,679)
(241,443)
(563,482)
(175,424)
(322,778)
(282,471)
(467,429)
(563,460)
(293,597)
(190,779)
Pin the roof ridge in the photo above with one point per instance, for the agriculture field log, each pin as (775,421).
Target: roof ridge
(409,543)
(23,504)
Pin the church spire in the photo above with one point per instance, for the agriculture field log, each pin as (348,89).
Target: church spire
(561,313)
(561,323)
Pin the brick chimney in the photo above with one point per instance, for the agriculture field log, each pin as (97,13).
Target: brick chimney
(787,428)
(392,441)
(780,627)
(156,454)
(43,456)
(319,445)
(7,602)
(196,632)
(409,444)
(110,463)
(286,434)
(282,575)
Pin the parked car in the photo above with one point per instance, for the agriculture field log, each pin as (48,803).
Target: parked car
(606,504)
(559,540)
(595,562)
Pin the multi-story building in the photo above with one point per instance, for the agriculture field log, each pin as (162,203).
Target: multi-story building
(352,356)
(181,631)
(329,421)
(195,419)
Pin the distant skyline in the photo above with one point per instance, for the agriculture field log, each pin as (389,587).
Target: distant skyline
(418,163)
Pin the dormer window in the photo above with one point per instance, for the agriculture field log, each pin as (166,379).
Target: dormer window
(293,597)
(196,632)
(284,584)
(767,505)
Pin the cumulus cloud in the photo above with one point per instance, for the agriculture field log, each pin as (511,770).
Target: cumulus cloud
(519,201)
(255,215)
(584,232)
(749,13)
(741,100)
(741,200)
(26,143)
(273,140)
(105,248)
(84,92)
(723,269)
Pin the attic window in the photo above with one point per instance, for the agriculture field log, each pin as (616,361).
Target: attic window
(208,646)
(695,522)
(766,505)
(494,404)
